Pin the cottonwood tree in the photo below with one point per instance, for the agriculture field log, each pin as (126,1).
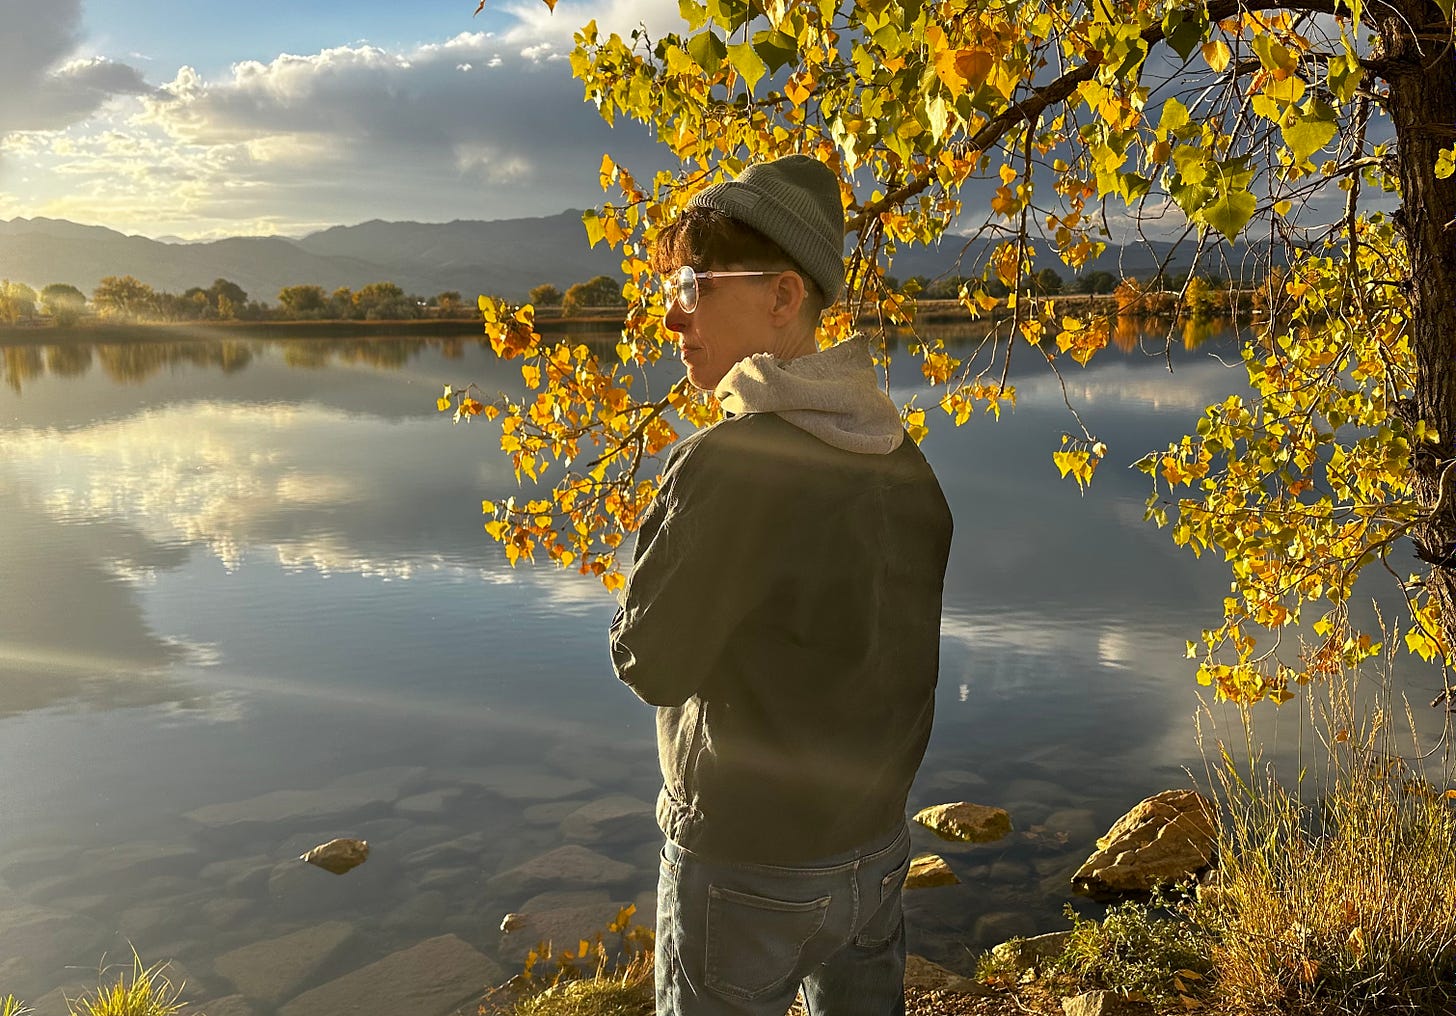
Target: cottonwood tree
(124,296)
(1322,126)
(63,302)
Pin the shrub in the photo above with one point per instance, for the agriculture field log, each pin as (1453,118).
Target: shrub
(1151,949)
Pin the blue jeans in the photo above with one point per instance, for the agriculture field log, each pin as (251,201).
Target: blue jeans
(741,938)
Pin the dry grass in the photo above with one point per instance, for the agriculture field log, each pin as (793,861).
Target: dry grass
(1346,905)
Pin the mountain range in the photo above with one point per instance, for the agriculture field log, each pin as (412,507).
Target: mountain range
(505,257)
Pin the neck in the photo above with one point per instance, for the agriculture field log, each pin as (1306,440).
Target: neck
(792,344)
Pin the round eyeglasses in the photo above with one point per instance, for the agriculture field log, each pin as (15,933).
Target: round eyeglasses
(681,287)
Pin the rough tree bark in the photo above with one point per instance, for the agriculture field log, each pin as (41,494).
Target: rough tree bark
(1416,61)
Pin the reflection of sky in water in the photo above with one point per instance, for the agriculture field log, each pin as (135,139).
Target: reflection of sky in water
(254,570)
(317,527)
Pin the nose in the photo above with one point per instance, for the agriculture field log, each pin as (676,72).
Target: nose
(676,319)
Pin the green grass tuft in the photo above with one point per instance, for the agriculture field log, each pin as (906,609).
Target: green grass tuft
(12,1006)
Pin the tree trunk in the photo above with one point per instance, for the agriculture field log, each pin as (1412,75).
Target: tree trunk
(1422,107)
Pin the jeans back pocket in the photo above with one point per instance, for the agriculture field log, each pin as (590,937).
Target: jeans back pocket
(886,918)
(755,943)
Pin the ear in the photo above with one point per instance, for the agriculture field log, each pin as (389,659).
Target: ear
(788,297)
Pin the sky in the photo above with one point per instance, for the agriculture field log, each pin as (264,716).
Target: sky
(199,119)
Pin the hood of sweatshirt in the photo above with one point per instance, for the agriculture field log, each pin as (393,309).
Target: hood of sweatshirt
(833,394)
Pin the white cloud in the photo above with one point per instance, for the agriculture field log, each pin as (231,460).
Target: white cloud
(44,83)
(535,22)
(342,135)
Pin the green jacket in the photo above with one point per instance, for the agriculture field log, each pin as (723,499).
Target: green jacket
(783,614)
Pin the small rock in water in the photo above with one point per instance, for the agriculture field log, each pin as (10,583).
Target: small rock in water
(338,856)
(929,871)
(968,823)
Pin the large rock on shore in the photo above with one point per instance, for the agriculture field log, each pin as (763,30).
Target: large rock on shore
(966,822)
(1162,840)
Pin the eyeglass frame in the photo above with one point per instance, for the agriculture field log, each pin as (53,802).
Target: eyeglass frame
(677,284)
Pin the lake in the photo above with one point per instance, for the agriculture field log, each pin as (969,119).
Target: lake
(246,606)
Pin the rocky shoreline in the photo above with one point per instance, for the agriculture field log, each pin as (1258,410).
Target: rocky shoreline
(554,856)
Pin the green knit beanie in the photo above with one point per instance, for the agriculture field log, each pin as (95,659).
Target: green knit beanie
(794,201)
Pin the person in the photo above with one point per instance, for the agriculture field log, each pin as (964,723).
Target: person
(783,614)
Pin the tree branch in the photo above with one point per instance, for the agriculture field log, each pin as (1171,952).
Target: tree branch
(1029,110)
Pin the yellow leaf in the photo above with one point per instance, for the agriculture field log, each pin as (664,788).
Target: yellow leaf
(1217,54)
(442,403)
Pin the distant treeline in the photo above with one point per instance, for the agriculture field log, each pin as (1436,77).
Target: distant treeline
(123,298)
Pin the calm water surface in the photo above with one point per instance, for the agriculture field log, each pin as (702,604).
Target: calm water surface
(233,570)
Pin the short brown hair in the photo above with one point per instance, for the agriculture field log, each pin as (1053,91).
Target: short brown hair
(706,238)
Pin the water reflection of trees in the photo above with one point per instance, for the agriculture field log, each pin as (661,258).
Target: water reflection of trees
(135,362)
(68,360)
(22,364)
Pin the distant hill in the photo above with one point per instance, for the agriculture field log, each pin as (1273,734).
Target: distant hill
(505,257)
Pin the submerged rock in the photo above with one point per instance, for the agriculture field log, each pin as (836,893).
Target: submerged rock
(613,817)
(570,865)
(338,856)
(280,806)
(966,822)
(275,969)
(1162,840)
(428,979)
(563,927)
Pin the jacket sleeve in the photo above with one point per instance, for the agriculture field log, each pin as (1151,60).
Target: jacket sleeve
(696,576)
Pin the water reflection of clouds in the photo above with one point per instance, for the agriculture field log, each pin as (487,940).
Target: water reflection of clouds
(1092,639)
(234,478)
(1191,388)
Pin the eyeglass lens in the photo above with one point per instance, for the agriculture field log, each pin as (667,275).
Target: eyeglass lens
(685,289)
